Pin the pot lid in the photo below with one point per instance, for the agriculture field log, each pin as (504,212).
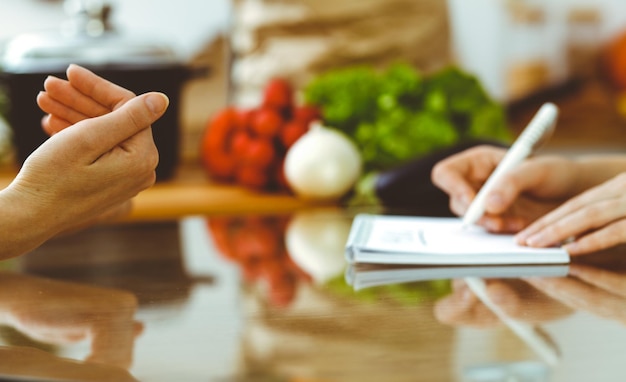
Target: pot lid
(87,39)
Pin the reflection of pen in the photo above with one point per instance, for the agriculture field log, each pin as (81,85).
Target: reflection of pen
(542,123)
(524,331)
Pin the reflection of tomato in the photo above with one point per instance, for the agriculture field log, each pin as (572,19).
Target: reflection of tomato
(254,240)
(219,229)
(257,245)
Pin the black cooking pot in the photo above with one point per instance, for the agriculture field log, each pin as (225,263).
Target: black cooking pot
(138,65)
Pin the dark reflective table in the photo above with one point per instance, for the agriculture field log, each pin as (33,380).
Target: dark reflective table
(270,298)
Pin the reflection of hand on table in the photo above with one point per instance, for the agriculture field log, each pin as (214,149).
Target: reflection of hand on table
(19,361)
(60,312)
(518,299)
(588,288)
(594,290)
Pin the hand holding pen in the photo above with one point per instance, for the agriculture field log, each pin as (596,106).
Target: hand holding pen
(579,201)
(518,193)
(533,135)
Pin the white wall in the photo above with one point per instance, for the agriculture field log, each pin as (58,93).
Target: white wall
(484,40)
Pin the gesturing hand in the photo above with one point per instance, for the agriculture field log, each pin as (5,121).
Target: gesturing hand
(81,172)
(83,95)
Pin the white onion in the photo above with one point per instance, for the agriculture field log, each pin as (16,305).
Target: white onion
(322,164)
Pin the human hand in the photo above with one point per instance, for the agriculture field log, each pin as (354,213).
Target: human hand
(595,220)
(525,193)
(84,171)
(83,95)
(59,312)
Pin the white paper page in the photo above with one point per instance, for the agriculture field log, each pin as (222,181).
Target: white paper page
(440,236)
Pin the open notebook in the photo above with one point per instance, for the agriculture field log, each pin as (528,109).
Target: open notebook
(388,239)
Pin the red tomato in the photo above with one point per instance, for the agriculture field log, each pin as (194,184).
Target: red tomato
(292,132)
(252,176)
(259,153)
(219,128)
(244,118)
(217,164)
(278,94)
(239,143)
(214,155)
(307,114)
(267,122)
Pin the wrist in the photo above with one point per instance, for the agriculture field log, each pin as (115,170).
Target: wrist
(23,226)
(594,170)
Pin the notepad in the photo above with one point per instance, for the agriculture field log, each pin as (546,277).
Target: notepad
(389,239)
(361,276)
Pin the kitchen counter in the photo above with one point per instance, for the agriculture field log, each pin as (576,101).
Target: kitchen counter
(270,298)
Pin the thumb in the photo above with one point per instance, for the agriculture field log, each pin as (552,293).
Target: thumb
(105,132)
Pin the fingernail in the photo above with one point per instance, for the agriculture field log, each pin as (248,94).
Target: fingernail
(571,248)
(157,102)
(466,200)
(520,238)
(493,225)
(536,240)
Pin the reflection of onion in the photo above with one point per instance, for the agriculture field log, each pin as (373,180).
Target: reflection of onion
(316,240)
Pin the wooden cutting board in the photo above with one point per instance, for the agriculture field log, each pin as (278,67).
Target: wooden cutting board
(190,192)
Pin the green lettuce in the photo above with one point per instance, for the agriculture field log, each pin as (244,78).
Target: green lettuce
(400,114)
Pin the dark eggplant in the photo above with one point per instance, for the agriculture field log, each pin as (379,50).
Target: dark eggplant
(408,187)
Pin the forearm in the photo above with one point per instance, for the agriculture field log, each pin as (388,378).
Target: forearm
(596,169)
(23,227)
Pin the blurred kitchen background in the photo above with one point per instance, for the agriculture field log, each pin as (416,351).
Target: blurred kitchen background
(522,52)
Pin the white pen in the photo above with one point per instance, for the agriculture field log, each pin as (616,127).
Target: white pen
(542,123)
